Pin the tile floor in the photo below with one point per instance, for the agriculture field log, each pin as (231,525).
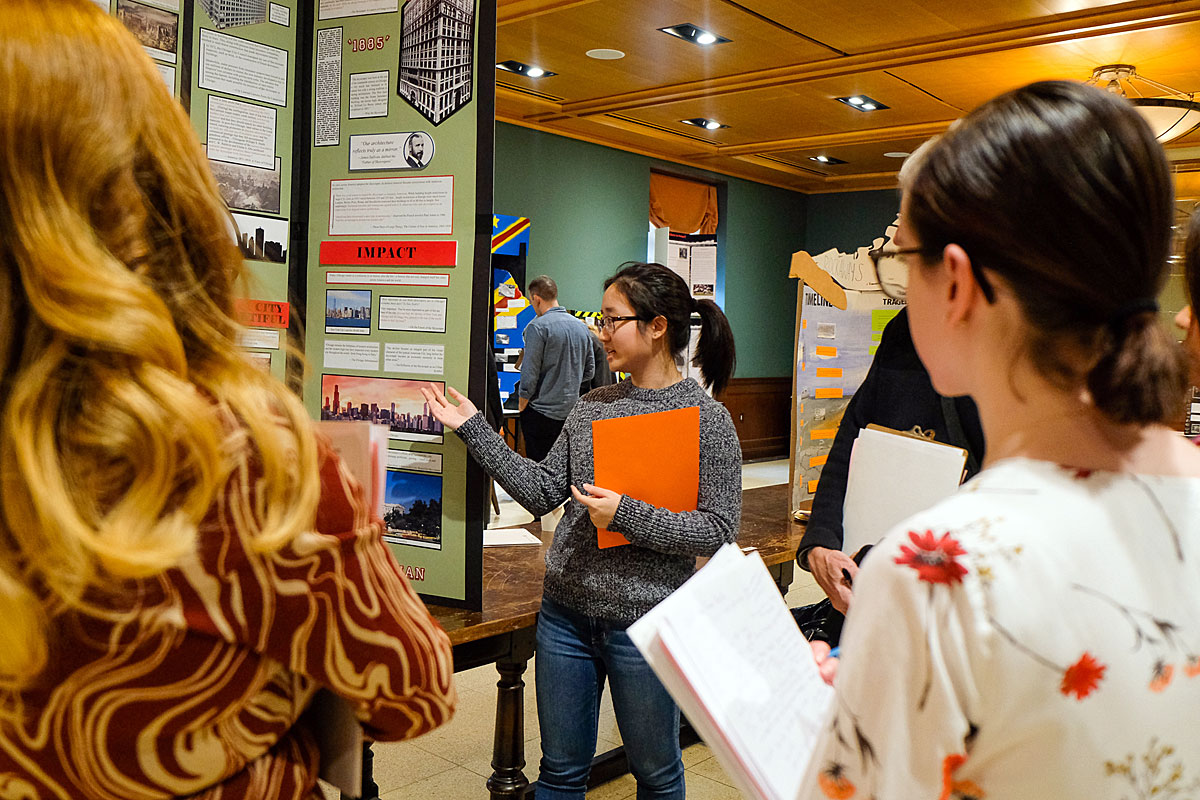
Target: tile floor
(454,761)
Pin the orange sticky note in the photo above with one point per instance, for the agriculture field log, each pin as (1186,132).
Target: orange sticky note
(650,457)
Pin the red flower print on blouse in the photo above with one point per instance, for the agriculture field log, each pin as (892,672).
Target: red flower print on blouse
(1192,668)
(957,790)
(933,559)
(834,783)
(1082,677)
(1162,676)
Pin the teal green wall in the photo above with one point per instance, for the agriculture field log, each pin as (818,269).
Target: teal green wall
(848,220)
(589,209)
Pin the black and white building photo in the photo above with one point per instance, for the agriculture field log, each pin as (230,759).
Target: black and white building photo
(234,13)
(437,56)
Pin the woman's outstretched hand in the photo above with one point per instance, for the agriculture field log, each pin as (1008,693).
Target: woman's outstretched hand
(452,416)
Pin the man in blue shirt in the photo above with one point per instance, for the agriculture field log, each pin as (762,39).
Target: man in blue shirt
(558,358)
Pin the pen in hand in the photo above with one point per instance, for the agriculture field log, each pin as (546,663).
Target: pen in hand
(835,653)
(846,579)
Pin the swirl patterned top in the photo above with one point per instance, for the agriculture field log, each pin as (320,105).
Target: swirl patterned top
(193,683)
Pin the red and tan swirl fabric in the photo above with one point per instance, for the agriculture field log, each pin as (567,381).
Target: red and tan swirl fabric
(193,684)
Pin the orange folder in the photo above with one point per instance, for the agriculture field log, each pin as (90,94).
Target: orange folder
(650,457)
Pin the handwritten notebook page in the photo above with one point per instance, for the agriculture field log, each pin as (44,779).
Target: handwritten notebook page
(650,457)
(728,650)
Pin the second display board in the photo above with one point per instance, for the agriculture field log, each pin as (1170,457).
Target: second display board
(393,221)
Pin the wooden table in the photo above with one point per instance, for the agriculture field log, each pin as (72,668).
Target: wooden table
(503,632)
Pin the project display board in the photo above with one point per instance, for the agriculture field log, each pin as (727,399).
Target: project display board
(243,107)
(232,66)
(398,258)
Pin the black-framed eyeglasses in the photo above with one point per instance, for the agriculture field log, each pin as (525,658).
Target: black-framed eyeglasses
(891,269)
(610,323)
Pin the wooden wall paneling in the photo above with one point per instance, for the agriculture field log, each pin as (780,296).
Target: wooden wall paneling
(760,408)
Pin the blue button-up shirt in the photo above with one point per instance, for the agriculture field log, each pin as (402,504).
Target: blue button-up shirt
(558,358)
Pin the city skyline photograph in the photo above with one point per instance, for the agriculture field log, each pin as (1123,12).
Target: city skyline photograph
(348,397)
(262,238)
(348,311)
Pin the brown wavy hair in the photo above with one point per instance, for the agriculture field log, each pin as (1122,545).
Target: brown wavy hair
(1061,190)
(126,404)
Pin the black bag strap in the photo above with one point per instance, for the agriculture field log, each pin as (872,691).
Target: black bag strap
(956,434)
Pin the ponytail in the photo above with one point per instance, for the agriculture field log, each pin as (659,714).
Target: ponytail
(655,291)
(1141,376)
(715,354)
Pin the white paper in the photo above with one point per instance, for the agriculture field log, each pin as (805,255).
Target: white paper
(332,9)
(506,537)
(351,355)
(704,270)
(327,116)
(420,359)
(261,360)
(415,461)
(241,133)
(280,15)
(388,278)
(380,151)
(369,94)
(367,206)
(376,150)
(266,338)
(679,259)
(243,68)
(506,322)
(168,75)
(418,314)
(728,650)
(156,28)
(891,477)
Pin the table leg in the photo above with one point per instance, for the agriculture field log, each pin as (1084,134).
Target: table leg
(508,781)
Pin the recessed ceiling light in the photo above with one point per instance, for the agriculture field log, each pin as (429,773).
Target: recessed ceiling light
(897,154)
(521,68)
(605,54)
(826,160)
(860,102)
(689,32)
(702,122)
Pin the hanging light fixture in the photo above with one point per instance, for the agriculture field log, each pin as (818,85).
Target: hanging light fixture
(1169,117)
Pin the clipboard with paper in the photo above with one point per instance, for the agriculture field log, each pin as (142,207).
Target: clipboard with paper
(650,457)
(892,476)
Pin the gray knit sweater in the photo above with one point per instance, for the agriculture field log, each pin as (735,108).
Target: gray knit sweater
(621,583)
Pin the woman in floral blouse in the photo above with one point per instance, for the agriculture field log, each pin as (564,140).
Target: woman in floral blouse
(183,566)
(1037,635)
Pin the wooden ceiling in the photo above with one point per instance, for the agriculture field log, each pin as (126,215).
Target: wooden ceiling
(775,82)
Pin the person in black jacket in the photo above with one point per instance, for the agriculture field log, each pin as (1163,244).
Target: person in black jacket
(897,394)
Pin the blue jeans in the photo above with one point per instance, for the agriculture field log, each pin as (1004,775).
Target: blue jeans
(574,656)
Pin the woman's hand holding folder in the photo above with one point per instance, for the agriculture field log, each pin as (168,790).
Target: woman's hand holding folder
(600,503)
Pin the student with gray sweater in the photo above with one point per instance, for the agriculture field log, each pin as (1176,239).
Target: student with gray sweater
(592,595)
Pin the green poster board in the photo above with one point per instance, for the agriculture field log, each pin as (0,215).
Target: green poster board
(243,107)
(398,280)
(352,141)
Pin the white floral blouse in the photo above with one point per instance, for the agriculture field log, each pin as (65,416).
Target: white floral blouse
(1037,635)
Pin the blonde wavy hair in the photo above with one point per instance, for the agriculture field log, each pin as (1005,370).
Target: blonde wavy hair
(126,404)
